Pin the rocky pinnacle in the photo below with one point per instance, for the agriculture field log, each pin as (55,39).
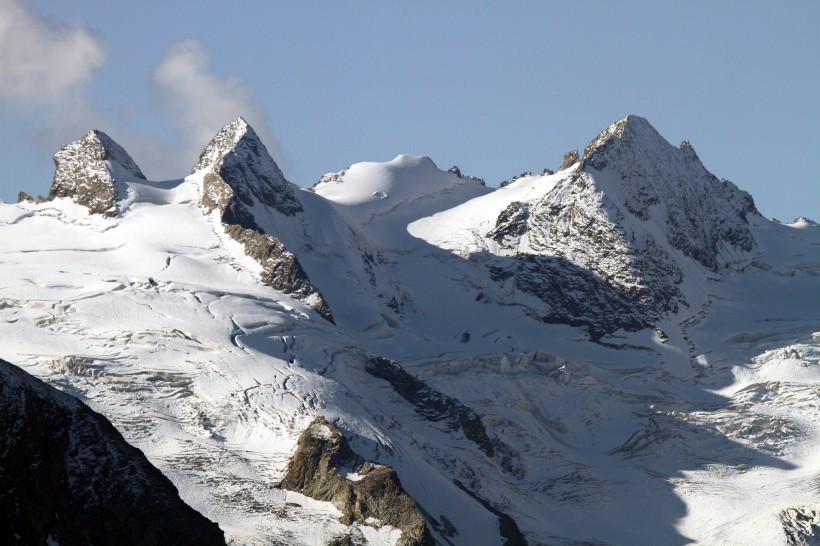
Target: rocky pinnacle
(91,171)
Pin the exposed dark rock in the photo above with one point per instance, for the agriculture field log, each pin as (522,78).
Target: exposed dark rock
(68,476)
(575,219)
(90,172)
(436,406)
(456,171)
(801,524)
(575,296)
(318,468)
(570,159)
(510,224)
(506,525)
(243,171)
(620,228)
(344,540)
(24,197)
(239,174)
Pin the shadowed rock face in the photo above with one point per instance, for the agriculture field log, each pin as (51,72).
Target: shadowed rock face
(67,475)
(801,524)
(318,468)
(239,174)
(242,171)
(89,171)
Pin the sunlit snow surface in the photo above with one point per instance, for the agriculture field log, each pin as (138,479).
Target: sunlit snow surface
(156,320)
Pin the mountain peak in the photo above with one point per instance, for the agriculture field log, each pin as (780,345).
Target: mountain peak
(240,167)
(227,139)
(91,171)
(657,181)
(237,174)
(628,136)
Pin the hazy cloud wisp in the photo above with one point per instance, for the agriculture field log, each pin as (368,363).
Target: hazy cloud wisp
(47,68)
(44,63)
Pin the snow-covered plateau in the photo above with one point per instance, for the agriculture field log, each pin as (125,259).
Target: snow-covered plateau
(623,352)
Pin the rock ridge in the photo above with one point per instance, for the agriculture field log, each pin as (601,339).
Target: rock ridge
(634,202)
(239,173)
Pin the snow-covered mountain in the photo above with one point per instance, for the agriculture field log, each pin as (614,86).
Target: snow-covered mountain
(622,352)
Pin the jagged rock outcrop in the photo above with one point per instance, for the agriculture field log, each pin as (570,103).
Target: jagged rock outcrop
(574,295)
(91,170)
(801,524)
(23,197)
(511,224)
(239,175)
(68,477)
(570,159)
(324,467)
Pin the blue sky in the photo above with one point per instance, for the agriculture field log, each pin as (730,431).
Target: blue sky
(496,88)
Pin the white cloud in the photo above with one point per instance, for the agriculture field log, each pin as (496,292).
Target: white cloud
(199,103)
(46,70)
(43,63)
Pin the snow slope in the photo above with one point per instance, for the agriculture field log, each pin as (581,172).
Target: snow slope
(559,353)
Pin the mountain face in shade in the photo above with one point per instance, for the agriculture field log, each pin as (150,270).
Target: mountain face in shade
(620,352)
(90,172)
(68,476)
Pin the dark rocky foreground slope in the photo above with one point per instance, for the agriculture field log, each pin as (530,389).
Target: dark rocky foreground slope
(68,477)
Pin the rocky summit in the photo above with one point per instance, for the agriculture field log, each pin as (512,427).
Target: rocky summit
(91,171)
(623,351)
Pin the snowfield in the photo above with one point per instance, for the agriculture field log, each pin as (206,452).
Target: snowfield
(466,351)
